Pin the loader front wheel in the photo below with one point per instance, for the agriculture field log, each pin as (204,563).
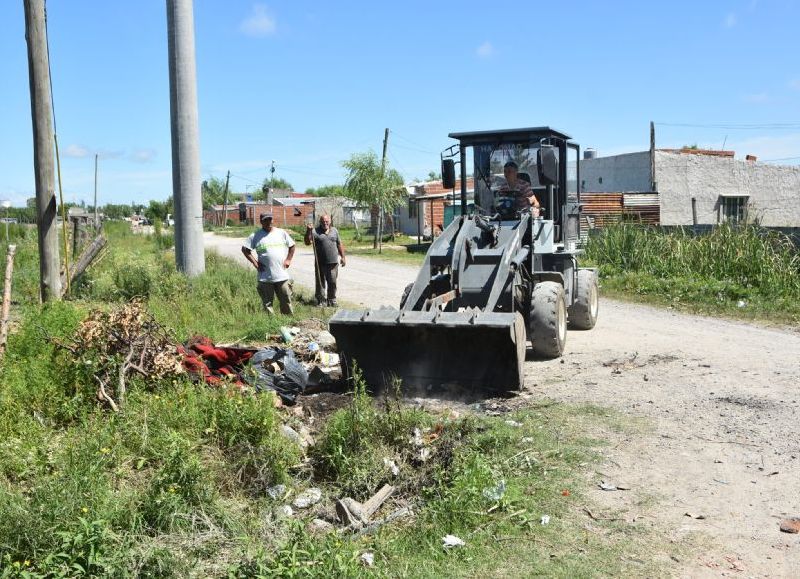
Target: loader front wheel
(547,323)
(583,313)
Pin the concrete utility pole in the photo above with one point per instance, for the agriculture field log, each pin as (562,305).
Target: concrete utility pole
(186,192)
(41,108)
(653,184)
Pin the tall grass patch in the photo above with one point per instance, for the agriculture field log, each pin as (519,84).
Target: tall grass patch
(745,268)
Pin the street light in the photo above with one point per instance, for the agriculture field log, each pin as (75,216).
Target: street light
(7,204)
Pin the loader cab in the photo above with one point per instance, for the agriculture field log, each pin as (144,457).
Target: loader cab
(545,159)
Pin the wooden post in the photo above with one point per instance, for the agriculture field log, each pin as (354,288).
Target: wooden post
(6,299)
(96,219)
(43,141)
(379,236)
(694,211)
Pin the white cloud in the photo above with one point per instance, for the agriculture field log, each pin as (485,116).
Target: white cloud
(259,23)
(74,151)
(757,98)
(486,50)
(143,155)
(730,20)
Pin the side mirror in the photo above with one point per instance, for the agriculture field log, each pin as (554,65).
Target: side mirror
(547,164)
(448,173)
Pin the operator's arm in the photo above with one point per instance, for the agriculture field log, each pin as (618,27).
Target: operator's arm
(247,251)
(309,237)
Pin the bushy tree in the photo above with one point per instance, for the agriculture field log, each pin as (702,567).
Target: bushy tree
(277,183)
(326,191)
(371,183)
(213,190)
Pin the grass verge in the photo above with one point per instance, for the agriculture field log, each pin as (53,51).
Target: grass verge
(741,272)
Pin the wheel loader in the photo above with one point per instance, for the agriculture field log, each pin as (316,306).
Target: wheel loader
(500,276)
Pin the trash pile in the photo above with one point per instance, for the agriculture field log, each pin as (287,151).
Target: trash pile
(124,341)
(303,362)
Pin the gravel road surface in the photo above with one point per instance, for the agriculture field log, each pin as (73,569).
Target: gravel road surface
(721,400)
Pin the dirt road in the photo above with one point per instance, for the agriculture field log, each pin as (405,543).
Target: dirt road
(722,401)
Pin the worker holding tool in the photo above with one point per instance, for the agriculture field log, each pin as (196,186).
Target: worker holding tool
(274,250)
(328,254)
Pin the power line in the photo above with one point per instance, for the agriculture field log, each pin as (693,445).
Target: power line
(736,126)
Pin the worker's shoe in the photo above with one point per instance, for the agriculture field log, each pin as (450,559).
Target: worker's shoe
(332,303)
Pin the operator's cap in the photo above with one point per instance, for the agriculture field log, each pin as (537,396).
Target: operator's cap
(265,216)
(511,164)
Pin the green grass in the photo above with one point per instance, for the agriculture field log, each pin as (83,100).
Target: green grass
(174,485)
(744,272)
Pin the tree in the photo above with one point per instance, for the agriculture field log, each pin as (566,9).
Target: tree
(326,191)
(434,176)
(213,190)
(158,210)
(277,183)
(370,183)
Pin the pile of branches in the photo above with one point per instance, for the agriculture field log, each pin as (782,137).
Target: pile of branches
(122,342)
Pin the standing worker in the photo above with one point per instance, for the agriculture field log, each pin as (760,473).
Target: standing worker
(274,249)
(329,253)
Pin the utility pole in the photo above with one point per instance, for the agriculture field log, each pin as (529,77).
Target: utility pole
(225,201)
(43,142)
(96,220)
(379,237)
(652,156)
(186,193)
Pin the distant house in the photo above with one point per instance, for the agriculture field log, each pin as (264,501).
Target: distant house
(700,186)
(430,207)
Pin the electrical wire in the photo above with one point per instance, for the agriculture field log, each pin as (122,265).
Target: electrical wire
(735,126)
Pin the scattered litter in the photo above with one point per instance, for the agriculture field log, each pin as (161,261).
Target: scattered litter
(450,541)
(565,492)
(791,525)
(416,437)
(284,511)
(741,304)
(527,439)
(368,559)
(392,466)
(328,358)
(307,498)
(286,334)
(325,339)
(607,486)
(514,423)
(694,516)
(293,435)
(497,492)
(423,455)
(313,347)
(288,383)
(545,520)
(277,492)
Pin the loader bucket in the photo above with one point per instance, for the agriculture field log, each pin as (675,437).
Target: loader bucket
(428,349)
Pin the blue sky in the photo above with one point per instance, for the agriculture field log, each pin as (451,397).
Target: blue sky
(309,83)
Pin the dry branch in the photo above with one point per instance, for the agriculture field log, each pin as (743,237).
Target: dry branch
(85,260)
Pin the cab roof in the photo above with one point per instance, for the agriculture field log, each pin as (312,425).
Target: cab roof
(508,135)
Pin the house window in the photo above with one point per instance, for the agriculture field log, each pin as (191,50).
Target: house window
(412,209)
(733,209)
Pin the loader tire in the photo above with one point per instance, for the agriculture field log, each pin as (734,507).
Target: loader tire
(547,323)
(582,314)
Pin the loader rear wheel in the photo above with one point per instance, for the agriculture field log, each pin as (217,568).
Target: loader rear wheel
(404,297)
(547,323)
(583,313)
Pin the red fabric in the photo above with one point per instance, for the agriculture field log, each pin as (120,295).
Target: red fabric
(203,359)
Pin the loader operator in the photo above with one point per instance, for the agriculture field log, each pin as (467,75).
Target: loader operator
(523,194)
(328,253)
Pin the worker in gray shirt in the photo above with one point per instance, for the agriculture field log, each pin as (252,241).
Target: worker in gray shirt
(329,253)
